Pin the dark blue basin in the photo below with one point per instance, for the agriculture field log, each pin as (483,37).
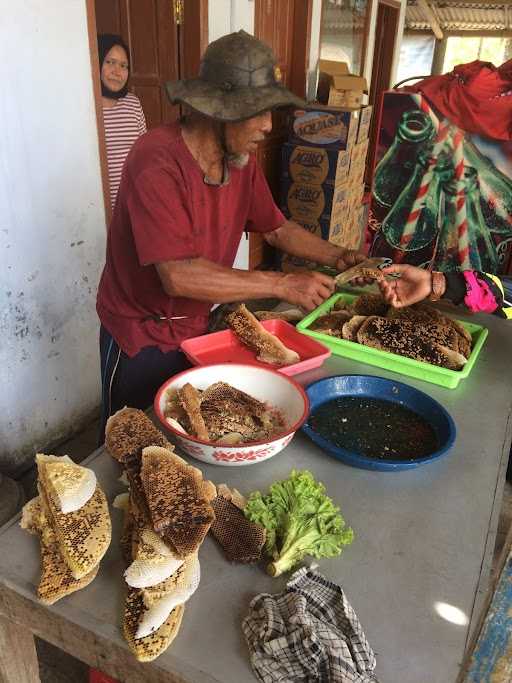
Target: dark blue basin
(368,386)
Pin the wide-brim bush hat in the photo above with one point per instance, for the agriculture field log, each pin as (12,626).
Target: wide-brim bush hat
(238,79)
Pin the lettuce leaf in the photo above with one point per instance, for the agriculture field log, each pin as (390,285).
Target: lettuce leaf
(300,519)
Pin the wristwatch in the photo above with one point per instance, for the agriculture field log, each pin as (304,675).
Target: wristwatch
(438,286)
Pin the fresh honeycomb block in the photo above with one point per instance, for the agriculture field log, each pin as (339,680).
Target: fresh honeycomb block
(84,535)
(178,589)
(129,431)
(241,540)
(189,568)
(56,580)
(150,647)
(68,485)
(174,491)
(153,561)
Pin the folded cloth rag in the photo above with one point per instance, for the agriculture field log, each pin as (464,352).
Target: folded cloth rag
(309,632)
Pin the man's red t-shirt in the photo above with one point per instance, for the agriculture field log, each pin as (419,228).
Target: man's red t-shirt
(165,211)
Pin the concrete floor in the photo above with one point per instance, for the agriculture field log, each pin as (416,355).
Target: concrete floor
(57,666)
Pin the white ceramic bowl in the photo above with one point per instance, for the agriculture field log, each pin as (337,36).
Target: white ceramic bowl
(270,386)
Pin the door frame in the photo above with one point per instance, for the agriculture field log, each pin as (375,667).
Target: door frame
(96,85)
(195,23)
(266,28)
(395,5)
(377,59)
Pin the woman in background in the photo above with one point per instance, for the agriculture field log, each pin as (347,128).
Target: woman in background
(123,117)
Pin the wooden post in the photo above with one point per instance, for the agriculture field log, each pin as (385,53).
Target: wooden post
(439,55)
(431,18)
(18,656)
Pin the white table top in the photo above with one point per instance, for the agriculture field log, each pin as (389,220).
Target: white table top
(422,537)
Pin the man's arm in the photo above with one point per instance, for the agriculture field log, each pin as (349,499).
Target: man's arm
(204,280)
(295,240)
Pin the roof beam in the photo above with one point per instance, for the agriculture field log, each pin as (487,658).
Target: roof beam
(431,18)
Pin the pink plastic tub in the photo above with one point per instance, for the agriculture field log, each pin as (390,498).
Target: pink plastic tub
(224,347)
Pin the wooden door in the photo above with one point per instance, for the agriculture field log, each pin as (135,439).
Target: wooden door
(388,13)
(165,38)
(284,25)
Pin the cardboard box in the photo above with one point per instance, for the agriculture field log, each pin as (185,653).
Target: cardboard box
(357,168)
(359,152)
(307,203)
(314,165)
(356,173)
(356,194)
(365,120)
(347,91)
(327,127)
(337,87)
(350,232)
(316,207)
(356,177)
(304,201)
(328,70)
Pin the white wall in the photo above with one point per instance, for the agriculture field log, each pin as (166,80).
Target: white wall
(226,16)
(314,50)
(52,226)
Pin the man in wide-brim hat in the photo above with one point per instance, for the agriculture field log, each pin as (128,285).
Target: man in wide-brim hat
(188,192)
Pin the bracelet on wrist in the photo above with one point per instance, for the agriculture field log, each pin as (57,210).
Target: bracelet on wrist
(438,286)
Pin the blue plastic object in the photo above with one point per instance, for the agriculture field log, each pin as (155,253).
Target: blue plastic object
(368,386)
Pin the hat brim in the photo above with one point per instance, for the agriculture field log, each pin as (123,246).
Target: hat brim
(233,105)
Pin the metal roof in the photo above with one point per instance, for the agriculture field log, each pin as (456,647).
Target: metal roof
(461,16)
(343,15)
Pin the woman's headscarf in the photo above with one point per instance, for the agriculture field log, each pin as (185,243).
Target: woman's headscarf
(106,42)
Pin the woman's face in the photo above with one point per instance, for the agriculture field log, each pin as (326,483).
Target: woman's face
(114,71)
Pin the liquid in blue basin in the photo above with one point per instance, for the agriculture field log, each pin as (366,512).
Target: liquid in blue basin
(375,423)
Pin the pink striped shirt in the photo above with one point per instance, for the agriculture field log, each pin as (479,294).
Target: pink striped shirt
(124,123)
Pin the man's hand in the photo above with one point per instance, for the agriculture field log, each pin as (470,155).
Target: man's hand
(307,290)
(413,285)
(295,240)
(348,259)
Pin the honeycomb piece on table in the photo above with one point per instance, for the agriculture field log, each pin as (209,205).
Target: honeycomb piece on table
(84,535)
(241,539)
(129,431)
(152,646)
(68,485)
(174,491)
(56,580)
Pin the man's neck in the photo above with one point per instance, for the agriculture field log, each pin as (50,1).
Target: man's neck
(202,141)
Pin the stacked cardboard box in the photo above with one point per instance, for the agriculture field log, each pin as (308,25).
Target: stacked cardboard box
(337,87)
(322,178)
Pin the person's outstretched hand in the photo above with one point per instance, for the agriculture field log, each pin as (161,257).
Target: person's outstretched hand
(413,285)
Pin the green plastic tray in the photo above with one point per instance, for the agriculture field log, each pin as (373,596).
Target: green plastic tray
(392,361)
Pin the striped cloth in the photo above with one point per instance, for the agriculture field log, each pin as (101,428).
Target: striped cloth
(307,633)
(124,123)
